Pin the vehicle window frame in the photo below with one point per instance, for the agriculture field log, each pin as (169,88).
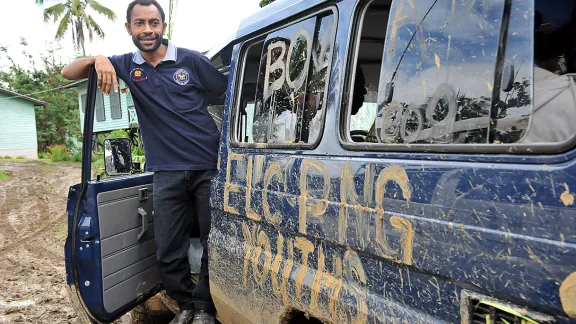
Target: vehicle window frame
(343,115)
(240,71)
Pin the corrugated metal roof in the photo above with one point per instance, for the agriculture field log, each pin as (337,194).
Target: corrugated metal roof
(21,96)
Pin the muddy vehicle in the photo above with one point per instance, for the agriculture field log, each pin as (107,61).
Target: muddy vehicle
(382,161)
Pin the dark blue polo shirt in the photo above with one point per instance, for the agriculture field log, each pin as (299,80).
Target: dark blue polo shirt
(171,104)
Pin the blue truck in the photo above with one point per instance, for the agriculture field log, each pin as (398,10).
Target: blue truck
(381,161)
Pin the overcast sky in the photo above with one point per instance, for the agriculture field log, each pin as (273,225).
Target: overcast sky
(200,24)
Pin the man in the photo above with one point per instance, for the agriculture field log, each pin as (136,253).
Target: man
(170,86)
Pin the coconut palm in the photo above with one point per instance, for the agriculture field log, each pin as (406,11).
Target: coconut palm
(75,15)
(171,17)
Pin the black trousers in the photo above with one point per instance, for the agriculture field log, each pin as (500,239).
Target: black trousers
(181,211)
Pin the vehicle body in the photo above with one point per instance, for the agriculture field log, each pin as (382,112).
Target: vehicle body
(312,223)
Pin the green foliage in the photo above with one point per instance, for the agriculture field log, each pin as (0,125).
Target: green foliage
(58,123)
(264,3)
(76,14)
(59,153)
(118,133)
(7,157)
(3,175)
(20,157)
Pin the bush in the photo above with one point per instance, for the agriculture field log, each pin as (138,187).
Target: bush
(76,157)
(118,133)
(7,157)
(20,157)
(58,153)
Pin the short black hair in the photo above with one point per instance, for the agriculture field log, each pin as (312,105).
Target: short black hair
(143,3)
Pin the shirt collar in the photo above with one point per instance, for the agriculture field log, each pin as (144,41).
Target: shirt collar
(171,55)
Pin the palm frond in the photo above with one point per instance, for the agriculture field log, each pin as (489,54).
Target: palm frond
(95,27)
(102,10)
(89,29)
(55,12)
(63,25)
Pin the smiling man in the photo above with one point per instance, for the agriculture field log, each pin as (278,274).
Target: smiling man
(170,88)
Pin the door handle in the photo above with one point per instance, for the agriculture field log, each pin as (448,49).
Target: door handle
(143,194)
(143,215)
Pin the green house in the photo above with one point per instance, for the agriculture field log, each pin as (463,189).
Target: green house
(18,125)
(112,112)
(117,111)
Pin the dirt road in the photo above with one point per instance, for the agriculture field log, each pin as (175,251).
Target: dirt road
(33,228)
(32,233)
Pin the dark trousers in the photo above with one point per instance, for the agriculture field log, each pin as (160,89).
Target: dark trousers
(182,207)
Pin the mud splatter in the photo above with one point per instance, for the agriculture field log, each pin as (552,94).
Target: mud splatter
(567,197)
(568,295)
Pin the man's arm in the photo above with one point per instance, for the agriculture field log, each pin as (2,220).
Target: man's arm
(104,69)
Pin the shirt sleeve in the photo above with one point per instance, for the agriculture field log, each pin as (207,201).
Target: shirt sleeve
(209,77)
(120,66)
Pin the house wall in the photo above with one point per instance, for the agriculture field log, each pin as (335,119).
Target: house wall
(17,128)
(109,124)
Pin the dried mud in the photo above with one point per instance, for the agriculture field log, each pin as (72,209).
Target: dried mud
(33,228)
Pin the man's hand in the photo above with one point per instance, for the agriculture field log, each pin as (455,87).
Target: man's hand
(106,75)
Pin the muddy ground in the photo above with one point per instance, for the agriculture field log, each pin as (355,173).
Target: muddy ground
(33,228)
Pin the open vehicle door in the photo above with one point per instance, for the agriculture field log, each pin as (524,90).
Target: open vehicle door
(110,250)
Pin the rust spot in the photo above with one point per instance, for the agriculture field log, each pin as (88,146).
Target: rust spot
(568,295)
(567,197)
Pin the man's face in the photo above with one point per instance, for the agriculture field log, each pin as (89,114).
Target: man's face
(146,28)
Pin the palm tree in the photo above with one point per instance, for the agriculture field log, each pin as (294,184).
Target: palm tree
(171,17)
(73,13)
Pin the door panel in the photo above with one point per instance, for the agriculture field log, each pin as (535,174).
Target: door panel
(129,266)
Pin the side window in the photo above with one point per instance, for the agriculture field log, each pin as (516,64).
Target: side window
(100,110)
(444,80)
(115,106)
(83,100)
(284,82)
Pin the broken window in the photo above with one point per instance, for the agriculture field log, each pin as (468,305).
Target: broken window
(444,79)
(284,84)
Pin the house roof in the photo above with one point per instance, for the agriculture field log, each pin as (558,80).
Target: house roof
(73,84)
(21,96)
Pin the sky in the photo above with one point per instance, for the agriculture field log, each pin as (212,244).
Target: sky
(199,25)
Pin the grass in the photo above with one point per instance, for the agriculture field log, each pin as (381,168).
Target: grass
(3,175)
(4,159)
(45,168)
